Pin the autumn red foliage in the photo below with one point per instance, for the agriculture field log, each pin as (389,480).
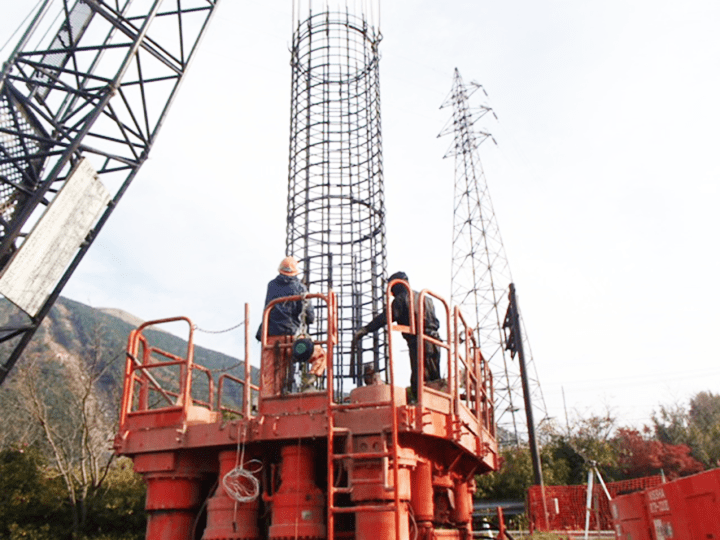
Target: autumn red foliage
(639,456)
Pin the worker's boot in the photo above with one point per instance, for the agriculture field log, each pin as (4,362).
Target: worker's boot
(308,384)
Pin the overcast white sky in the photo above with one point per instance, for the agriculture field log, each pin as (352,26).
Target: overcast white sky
(605,182)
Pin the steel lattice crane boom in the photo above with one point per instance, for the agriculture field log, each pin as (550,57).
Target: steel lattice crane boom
(81,104)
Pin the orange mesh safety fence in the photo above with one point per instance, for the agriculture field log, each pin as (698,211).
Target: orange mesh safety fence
(566,504)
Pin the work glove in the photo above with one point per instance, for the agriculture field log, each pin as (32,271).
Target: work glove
(359,334)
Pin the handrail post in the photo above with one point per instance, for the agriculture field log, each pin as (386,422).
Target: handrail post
(479,383)
(186,390)
(129,380)
(420,344)
(247,394)
(455,387)
(421,337)
(144,397)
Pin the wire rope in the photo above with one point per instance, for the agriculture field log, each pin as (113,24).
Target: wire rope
(22,24)
(240,483)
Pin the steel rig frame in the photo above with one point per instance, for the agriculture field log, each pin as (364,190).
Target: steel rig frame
(314,464)
(99,87)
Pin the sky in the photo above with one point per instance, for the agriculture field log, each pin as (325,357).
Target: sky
(604,179)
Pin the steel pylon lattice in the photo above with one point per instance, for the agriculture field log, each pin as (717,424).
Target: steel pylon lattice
(336,208)
(480,275)
(90,79)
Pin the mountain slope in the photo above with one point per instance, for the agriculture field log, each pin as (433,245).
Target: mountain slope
(83,339)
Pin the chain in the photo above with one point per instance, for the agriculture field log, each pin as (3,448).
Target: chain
(227,368)
(303,314)
(238,325)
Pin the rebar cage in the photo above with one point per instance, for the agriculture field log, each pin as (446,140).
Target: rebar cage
(335,217)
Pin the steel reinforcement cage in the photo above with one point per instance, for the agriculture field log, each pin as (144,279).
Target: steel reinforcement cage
(335,215)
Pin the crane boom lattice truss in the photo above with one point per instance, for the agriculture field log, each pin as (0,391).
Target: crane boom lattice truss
(88,79)
(480,270)
(336,209)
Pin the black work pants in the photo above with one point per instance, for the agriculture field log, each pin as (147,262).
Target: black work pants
(432,362)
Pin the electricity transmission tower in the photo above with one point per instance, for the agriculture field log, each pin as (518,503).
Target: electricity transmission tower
(82,98)
(481,275)
(336,208)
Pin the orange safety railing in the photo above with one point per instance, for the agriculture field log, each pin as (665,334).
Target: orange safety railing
(473,379)
(150,370)
(331,334)
(469,378)
(141,366)
(329,300)
(422,338)
(488,393)
(466,375)
(248,386)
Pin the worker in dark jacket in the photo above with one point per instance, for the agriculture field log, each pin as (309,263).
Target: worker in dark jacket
(400,309)
(286,318)
(284,322)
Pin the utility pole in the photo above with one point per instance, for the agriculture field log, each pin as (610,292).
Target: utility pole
(514,343)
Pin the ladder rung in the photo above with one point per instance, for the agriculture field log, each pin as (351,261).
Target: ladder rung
(342,489)
(370,481)
(363,455)
(361,405)
(363,508)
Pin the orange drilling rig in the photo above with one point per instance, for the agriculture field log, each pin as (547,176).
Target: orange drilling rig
(311,464)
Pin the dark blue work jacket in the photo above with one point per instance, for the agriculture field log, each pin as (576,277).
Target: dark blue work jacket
(285,317)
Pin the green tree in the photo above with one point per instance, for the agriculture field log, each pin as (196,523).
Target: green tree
(511,480)
(57,394)
(670,424)
(34,503)
(515,475)
(697,426)
(119,506)
(586,440)
(704,419)
(565,456)
(27,495)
